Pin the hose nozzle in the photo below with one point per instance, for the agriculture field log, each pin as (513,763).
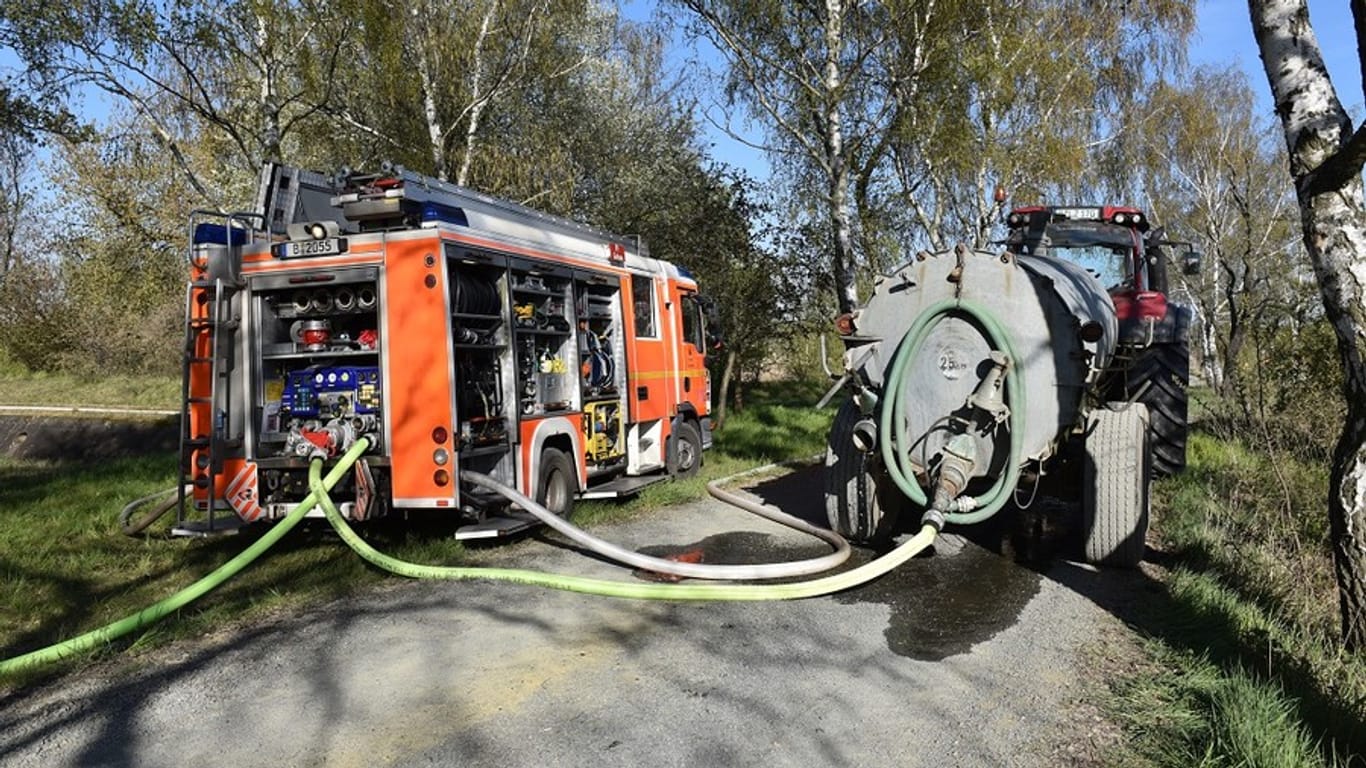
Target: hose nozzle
(987,397)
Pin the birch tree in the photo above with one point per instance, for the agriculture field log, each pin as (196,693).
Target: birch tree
(1326,156)
(807,71)
(1210,166)
(1023,95)
(470,58)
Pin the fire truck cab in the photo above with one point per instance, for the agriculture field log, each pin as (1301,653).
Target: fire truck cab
(456,331)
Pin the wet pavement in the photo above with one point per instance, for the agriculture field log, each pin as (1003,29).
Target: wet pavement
(941,604)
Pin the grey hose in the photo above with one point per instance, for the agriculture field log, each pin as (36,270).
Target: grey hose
(689,570)
(139,525)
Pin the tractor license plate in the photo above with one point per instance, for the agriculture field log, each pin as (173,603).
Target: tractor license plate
(330,246)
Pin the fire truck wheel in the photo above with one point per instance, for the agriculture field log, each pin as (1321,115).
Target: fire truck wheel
(1115,476)
(556,487)
(687,451)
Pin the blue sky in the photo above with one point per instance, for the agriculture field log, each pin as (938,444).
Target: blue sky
(1225,37)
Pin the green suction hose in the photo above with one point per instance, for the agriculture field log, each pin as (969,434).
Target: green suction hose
(160,610)
(896,444)
(608,588)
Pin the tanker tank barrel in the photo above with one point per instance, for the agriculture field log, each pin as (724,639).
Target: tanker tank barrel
(1038,338)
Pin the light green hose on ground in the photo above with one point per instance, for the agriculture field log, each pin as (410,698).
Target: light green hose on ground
(896,444)
(635,590)
(159,610)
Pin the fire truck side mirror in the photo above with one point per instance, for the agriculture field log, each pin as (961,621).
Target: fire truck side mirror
(1192,263)
(715,341)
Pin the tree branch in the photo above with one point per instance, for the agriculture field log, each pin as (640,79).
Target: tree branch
(1340,167)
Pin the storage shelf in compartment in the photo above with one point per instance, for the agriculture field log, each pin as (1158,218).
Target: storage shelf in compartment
(327,353)
(568,409)
(538,292)
(467,451)
(542,332)
(473,316)
(289,313)
(490,347)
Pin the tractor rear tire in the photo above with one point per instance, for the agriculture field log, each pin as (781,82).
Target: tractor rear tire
(1115,478)
(558,483)
(1165,370)
(854,496)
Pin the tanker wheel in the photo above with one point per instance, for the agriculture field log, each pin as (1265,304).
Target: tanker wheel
(1115,477)
(557,483)
(1165,369)
(852,488)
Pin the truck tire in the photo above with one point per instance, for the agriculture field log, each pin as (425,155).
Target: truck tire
(852,498)
(687,451)
(1165,370)
(1115,476)
(556,484)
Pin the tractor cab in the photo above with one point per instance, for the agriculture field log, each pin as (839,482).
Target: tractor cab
(1112,243)
(1107,241)
(1129,258)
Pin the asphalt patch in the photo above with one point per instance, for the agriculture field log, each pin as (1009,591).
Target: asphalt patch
(49,438)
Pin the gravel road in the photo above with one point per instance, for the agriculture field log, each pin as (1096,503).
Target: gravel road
(958,659)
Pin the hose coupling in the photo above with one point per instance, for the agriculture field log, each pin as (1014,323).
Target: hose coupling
(960,456)
(864,435)
(933,517)
(963,504)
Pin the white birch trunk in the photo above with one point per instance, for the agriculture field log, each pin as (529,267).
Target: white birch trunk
(846,292)
(478,99)
(436,133)
(1317,132)
(270,100)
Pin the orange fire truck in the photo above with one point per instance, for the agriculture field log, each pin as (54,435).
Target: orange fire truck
(455,330)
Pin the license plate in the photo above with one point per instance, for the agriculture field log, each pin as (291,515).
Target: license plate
(1077,214)
(330,246)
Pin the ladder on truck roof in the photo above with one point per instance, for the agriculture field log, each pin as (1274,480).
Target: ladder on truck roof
(374,202)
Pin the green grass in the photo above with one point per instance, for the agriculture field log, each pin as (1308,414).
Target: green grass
(21,386)
(65,568)
(1248,670)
